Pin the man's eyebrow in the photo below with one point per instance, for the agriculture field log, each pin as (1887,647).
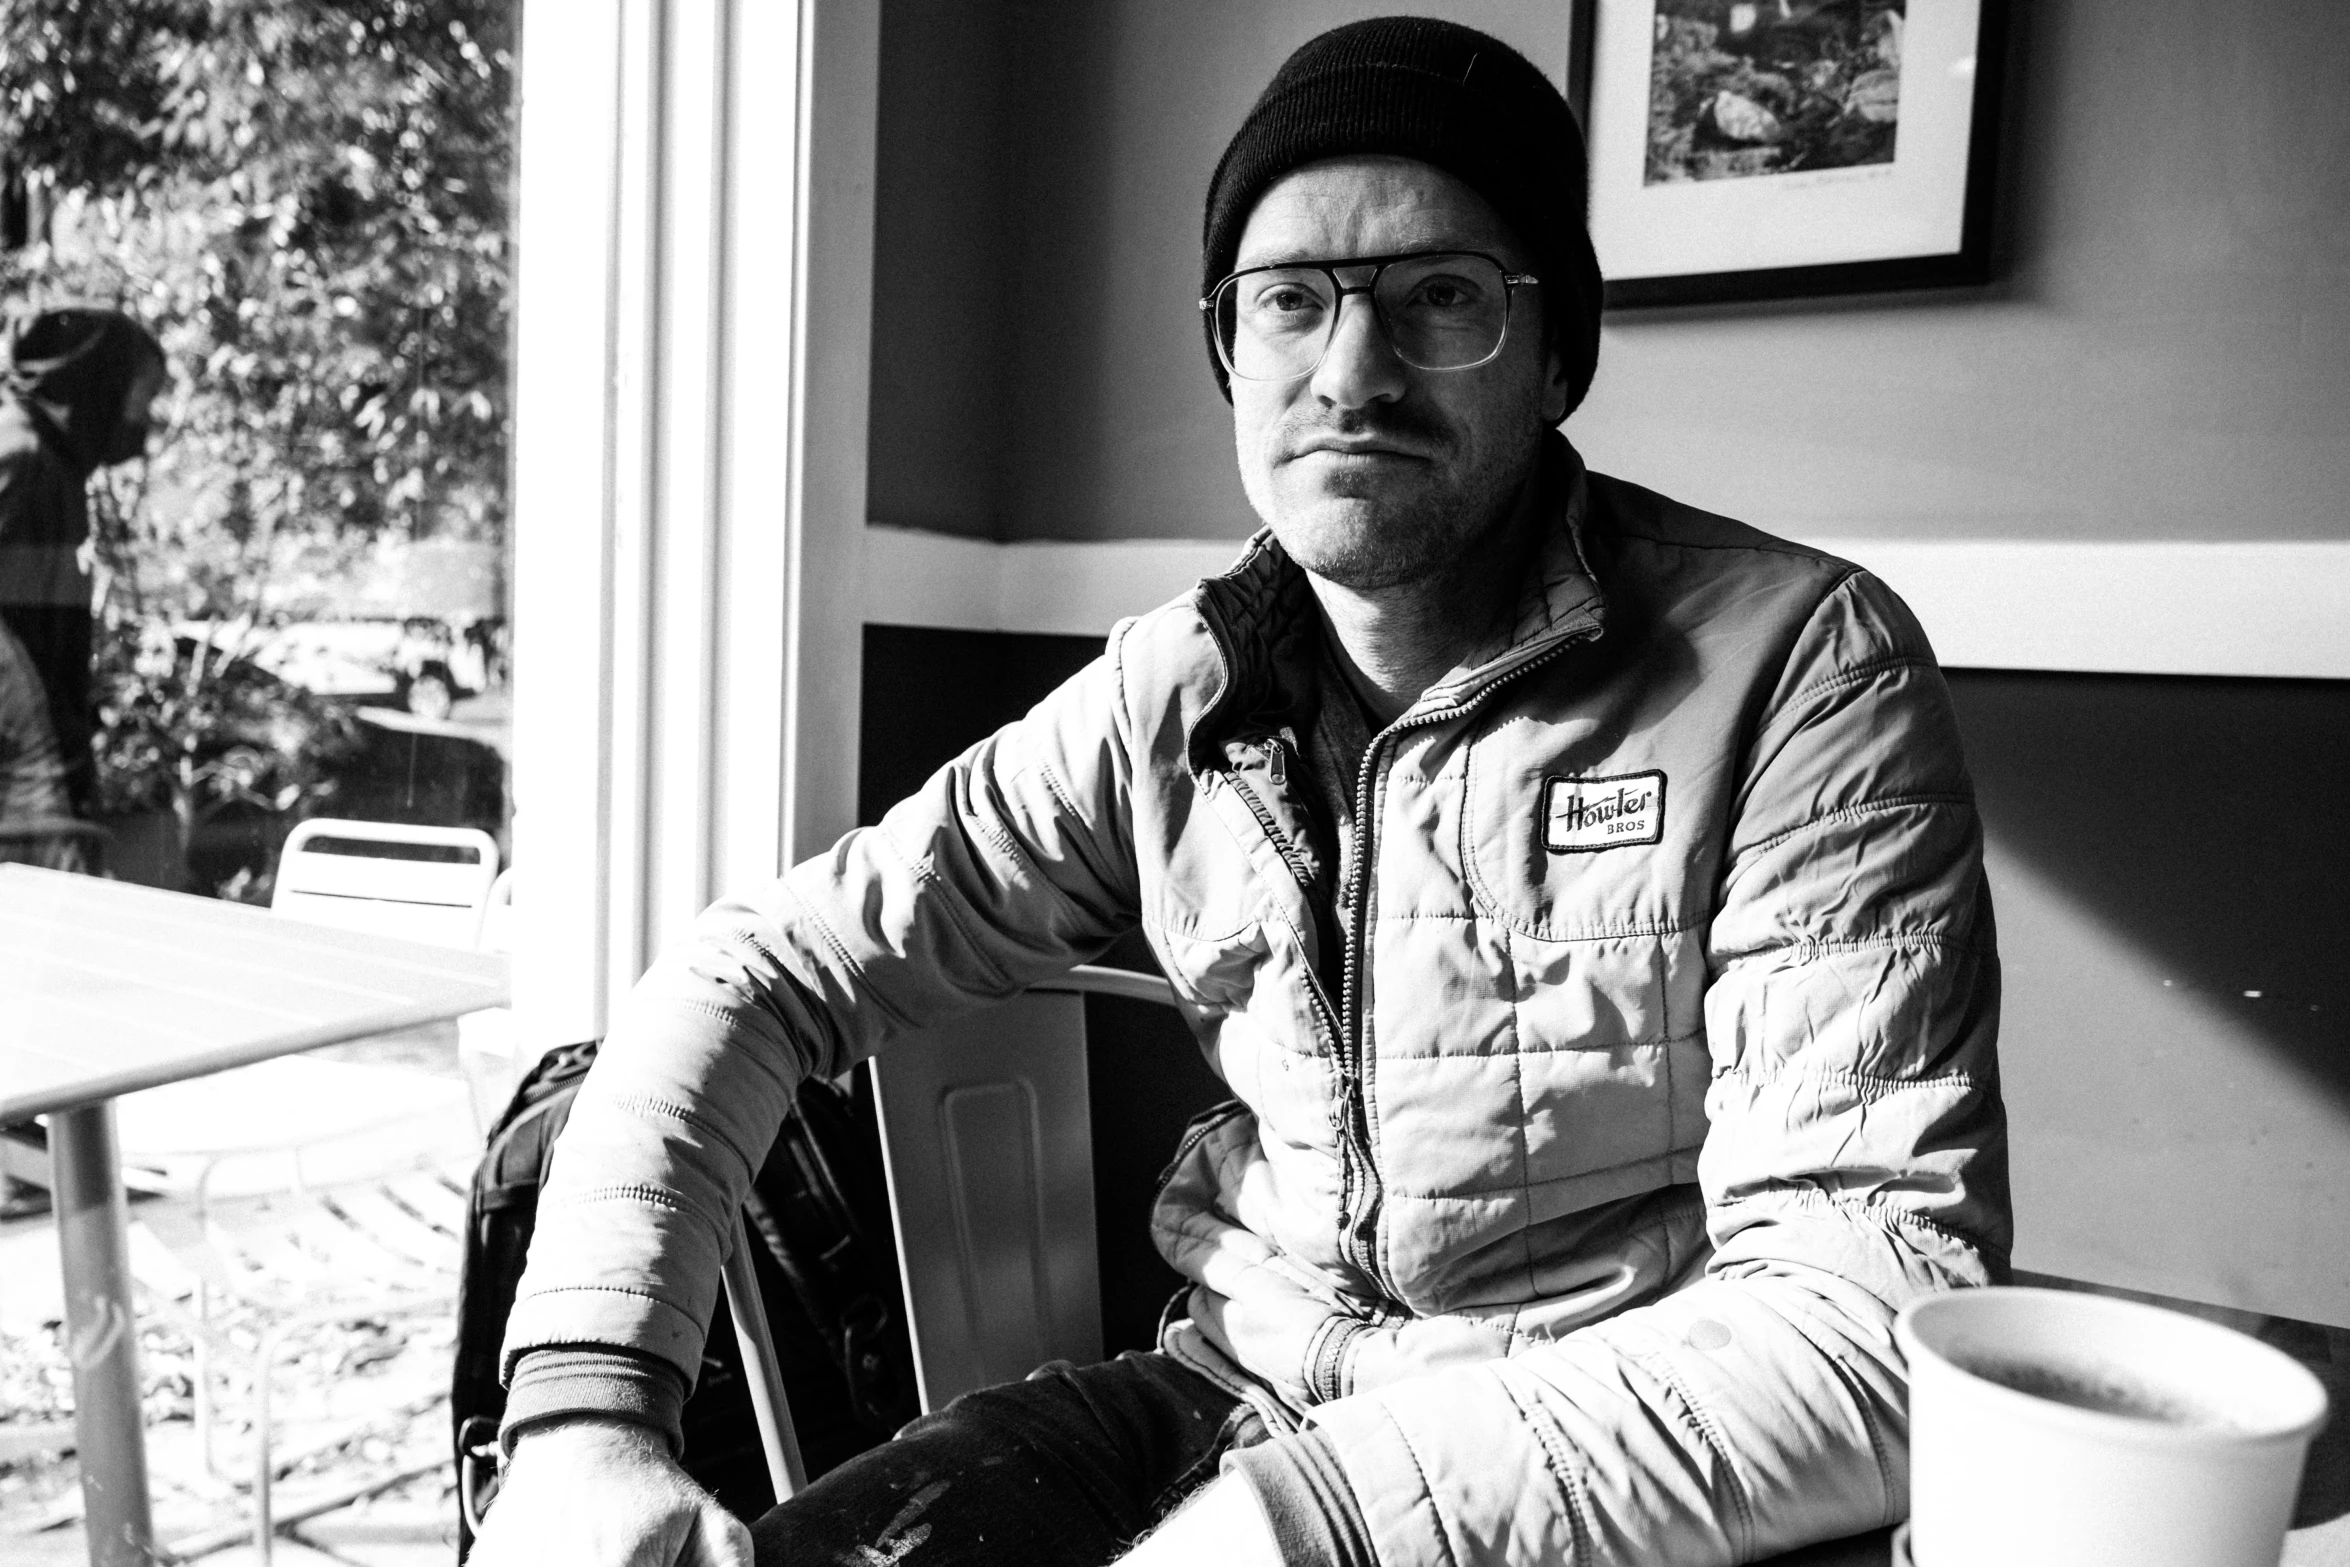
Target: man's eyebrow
(1300,257)
(1287,256)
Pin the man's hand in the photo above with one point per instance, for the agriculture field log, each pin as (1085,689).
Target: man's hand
(605,1493)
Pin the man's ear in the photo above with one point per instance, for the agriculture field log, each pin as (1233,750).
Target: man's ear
(1554,388)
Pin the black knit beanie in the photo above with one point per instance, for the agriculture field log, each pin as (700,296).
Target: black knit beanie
(1440,93)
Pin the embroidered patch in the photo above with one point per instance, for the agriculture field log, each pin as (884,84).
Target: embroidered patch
(1584,815)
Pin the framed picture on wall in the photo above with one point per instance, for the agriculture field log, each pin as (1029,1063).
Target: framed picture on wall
(1771,149)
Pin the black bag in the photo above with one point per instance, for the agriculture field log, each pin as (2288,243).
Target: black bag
(827,1272)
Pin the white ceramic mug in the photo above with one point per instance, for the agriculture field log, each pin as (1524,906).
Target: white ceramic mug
(2073,1430)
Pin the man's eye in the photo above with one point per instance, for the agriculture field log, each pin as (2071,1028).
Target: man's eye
(1288,299)
(1443,293)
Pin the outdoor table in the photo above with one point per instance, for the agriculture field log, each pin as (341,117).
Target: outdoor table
(107,988)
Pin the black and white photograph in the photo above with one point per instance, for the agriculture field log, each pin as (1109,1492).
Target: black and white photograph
(1174,783)
(1742,88)
(1756,149)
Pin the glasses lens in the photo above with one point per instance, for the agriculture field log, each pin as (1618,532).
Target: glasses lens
(1273,325)
(1444,312)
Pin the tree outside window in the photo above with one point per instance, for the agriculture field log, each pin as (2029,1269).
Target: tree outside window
(307,203)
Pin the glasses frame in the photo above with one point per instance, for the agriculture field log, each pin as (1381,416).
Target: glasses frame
(1511,283)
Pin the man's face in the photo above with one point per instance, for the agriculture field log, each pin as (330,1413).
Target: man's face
(1371,473)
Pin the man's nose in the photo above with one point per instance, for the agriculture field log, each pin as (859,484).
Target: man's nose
(1360,367)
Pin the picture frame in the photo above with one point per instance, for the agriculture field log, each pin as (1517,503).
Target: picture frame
(1782,149)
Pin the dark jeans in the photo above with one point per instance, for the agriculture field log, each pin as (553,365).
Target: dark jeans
(1065,1469)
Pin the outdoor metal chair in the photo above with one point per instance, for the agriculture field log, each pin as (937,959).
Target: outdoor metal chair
(264,1263)
(317,1193)
(486,1051)
(441,899)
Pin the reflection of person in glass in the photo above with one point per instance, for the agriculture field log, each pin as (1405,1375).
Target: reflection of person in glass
(32,771)
(81,386)
(1580,894)
(34,830)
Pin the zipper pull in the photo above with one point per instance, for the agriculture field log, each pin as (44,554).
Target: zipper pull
(1275,766)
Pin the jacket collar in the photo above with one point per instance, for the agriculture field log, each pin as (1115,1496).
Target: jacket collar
(1264,600)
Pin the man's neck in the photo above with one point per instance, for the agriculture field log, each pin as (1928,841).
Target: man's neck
(1394,643)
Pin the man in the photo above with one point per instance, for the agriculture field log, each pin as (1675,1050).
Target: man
(1580,893)
(81,385)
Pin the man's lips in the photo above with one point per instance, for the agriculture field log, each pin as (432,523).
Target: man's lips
(1338,447)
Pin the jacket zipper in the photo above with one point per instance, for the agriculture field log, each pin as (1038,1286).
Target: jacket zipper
(1282,843)
(1349,1179)
(1299,871)
(1358,1230)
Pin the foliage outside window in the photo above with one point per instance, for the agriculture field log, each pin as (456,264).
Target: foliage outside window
(307,202)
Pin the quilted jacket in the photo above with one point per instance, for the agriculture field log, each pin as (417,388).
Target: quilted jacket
(1573,1199)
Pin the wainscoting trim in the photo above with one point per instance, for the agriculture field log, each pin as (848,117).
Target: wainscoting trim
(2155,608)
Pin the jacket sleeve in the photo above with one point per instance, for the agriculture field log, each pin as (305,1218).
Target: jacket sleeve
(1855,1160)
(1012,864)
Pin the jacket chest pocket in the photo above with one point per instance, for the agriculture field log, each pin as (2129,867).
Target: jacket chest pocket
(1207,916)
(1595,860)
(1565,838)
(1215,973)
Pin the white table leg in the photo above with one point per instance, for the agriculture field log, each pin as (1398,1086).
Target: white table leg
(100,1335)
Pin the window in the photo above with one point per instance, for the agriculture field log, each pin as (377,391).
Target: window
(298,597)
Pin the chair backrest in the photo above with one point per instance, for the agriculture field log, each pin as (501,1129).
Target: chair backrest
(987,1133)
(438,900)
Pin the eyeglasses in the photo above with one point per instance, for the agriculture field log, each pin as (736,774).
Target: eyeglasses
(1441,310)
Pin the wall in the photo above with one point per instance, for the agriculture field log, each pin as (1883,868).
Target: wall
(1039,368)
(2168,858)
(2167,354)
(946,174)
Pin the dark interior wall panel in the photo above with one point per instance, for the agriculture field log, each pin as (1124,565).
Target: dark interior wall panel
(932,694)
(929,695)
(2171,862)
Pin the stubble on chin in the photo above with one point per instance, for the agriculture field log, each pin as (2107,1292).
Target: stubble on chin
(1369,532)
(1361,529)
(1367,543)
(1382,526)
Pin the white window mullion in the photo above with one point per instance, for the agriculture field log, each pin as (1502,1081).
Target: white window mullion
(689,352)
(755,472)
(565,513)
(629,644)
(693,335)
(831,380)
